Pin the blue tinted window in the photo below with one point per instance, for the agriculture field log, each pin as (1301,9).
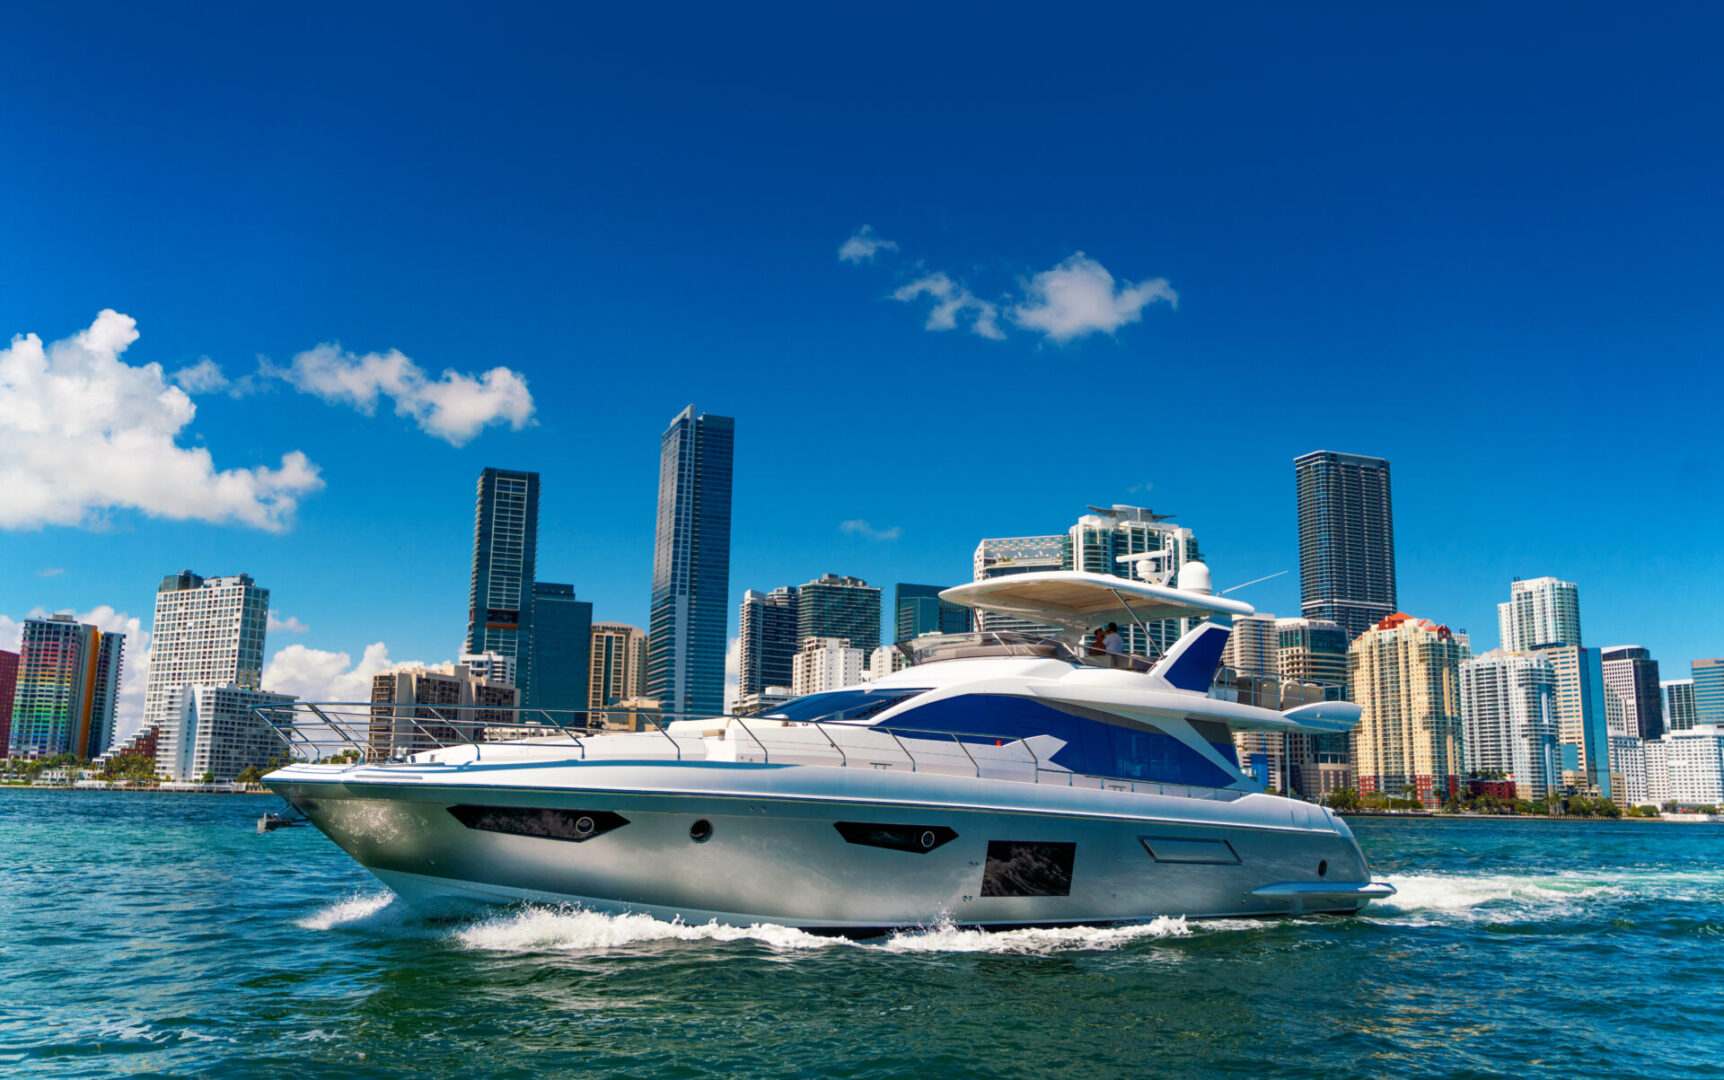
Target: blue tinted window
(840,704)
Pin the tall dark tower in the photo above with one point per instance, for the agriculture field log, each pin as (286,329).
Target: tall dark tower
(505,549)
(691,565)
(1346,539)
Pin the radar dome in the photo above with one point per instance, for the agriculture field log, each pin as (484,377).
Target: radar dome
(1194,577)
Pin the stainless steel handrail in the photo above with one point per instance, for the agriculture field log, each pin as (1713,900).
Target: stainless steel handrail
(338,717)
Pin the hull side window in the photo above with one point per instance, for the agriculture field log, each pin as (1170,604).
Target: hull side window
(1022,868)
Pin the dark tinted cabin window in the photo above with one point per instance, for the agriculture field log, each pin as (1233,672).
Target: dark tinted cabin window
(840,705)
(1024,868)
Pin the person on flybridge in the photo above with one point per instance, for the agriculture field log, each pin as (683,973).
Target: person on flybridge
(1113,643)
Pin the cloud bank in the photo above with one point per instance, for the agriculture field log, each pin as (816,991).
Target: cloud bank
(453,407)
(83,433)
(319,675)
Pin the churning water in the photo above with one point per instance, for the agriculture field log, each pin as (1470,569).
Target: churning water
(155,934)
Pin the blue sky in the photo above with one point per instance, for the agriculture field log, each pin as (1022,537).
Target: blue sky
(1481,242)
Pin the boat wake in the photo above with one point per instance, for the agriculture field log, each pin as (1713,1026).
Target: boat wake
(533,928)
(1429,898)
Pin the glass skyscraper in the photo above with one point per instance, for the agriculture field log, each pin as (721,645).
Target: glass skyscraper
(767,624)
(505,550)
(1346,539)
(1632,674)
(921,611)
(691,564)
(1708,690)
(831,606)
(561,649)
(68,685)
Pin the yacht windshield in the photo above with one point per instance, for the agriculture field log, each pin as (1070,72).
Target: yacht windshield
(840,705)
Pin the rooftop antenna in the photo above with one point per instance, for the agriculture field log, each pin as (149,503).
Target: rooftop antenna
(1253,581)
(1155,575)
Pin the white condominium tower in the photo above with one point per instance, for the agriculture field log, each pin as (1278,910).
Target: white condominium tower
(1508,715)
(207,631)
(1540,613)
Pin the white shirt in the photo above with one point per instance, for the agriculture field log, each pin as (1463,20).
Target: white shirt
(1112,643)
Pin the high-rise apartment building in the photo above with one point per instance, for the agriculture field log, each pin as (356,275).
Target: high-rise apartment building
(1254,646)
(1582,724)
(616,665)
(1017,555)
(1313,652)
(561,649)
(919,610)
(1508,719)
(1708,690)
(67,688)
(1679,711)
(769,640)
(832,606)
(505,557)
(1098,539)
(824,664)
(205,630)
(1540,613)
(416,708)
(1630,671)
(691,564)
(8,690)
(1406,674)
(494,668)
(1346,539)
(215,731)
(1695,760)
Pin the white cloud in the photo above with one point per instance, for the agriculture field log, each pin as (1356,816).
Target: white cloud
(11,633)
(1079,297)
(732,673)
(82,433)
(951,300)
(289,625)
(203,377)
(318,675)
(863,246)
(51,571)
(858,527)
(454,407)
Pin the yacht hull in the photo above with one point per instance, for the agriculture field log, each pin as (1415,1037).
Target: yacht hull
(841,850)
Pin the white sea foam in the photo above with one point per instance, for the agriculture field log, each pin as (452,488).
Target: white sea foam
(371,909)
(1467,897)
(542,929)
(948,938)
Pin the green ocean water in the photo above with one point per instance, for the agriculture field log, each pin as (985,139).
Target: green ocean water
(159,935)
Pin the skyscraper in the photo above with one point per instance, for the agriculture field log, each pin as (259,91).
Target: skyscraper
(67,688)
(1314,652)
(1095,543)
(1680,713)
(1405,672)
(1543,613)
(1254,646)
(8,689)
(919,610)
(560,648)
(1016,555)
(691,564)
(1582,728)
(824,664)
(416,708)
(505,555)
(1508,713)
(208,632)
(767,624)
(616,663)
(831,606)
(1346,539)
(1708,690)
(205,630)
(1631,672)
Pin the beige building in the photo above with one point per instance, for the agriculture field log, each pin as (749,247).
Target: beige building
(1406,674)
(617,669)
(824,664)
(415,708)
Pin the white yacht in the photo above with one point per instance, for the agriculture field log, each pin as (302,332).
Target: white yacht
(1000,780)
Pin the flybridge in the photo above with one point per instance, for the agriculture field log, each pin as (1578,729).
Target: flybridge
(1078,601)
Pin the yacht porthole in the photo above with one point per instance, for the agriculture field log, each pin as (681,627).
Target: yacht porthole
(928,839)
(584,826)
(701,831)
(1323,868)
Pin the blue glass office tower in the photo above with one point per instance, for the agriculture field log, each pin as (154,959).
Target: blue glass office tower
(832,606)
(1346,539)
(561,649)
(691,564)
(1708,690)
(505,548)
(766,622)
(921,611)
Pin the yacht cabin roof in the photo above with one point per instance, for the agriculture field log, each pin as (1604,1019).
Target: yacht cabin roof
(1080,601)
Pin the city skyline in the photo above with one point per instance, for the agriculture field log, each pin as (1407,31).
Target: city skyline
(1349,280)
